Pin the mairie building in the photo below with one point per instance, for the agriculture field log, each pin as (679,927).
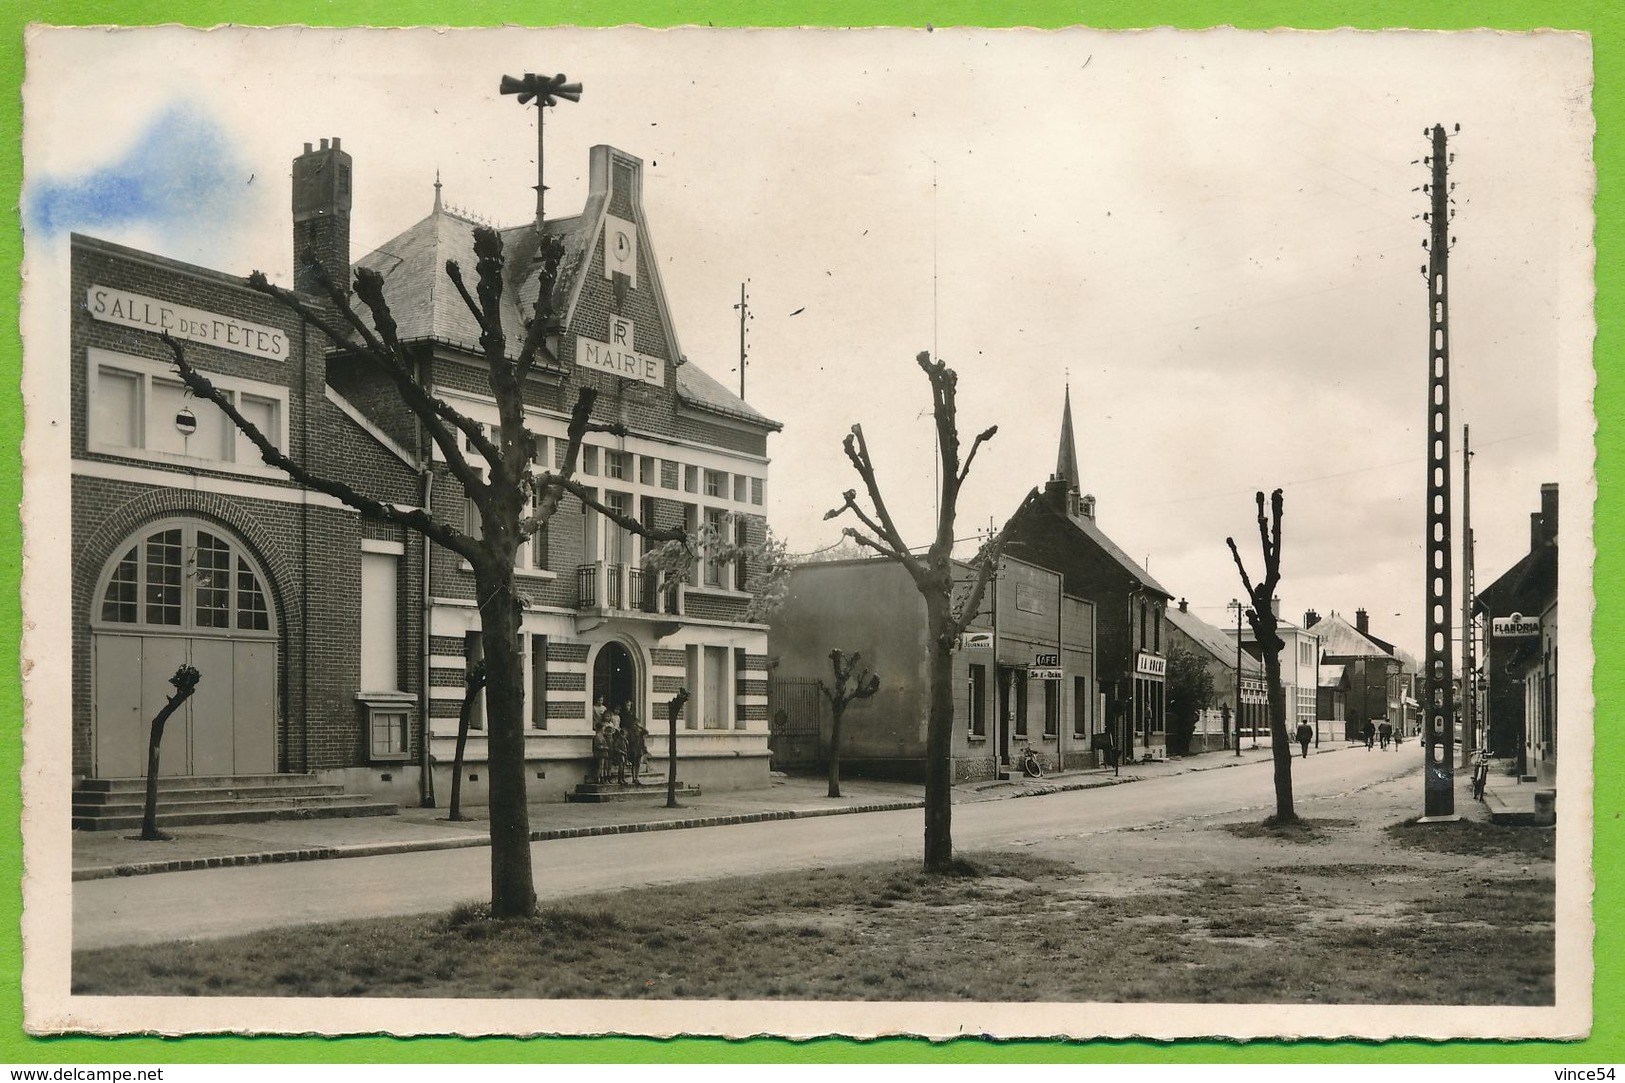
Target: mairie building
(336,647)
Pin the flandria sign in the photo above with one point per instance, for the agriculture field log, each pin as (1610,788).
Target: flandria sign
(1515,626)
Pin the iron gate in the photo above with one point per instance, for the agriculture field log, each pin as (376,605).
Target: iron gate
(794,707)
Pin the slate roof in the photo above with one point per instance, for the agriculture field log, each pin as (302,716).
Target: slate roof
(1332,676)
(1212,640)
(422,299)
(427,307)
(1089,529)
(1340,639)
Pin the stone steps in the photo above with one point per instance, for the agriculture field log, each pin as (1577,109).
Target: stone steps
(117,804)
(601,792)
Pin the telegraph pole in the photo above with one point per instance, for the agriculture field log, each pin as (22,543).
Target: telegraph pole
(1438,732)
(744,313)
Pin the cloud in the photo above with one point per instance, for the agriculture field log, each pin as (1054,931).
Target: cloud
(181,175)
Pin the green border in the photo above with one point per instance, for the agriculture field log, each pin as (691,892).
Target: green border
(1604,19)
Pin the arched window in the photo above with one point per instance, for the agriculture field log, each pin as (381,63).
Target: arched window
(184,575)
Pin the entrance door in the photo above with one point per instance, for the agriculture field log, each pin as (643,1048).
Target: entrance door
(1007,677)
(184,594)
(614,679)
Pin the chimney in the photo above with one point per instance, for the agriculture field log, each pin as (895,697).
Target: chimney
(1088,506)
(1548,511)
(321,216)
(1184,606)
(1310,618)
(1362,622)
(1275,607)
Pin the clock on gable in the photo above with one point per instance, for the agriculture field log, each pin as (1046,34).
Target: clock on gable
(620,249)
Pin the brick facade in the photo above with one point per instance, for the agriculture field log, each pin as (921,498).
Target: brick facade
(597,622)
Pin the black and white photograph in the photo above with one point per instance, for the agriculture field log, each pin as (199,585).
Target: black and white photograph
(807,532)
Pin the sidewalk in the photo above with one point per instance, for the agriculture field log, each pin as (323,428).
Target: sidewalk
(100,854)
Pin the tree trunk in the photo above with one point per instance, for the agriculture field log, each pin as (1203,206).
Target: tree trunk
(513,890)
(464,716)
(673,709)
(1280,740)
(835,751)
(939,808)
(155,737)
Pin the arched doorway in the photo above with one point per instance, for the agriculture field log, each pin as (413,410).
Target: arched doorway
(184,592)
(615,678)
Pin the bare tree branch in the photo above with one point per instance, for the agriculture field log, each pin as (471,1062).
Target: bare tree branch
(865,542)
(455,273)
(1245,581)
(543,320)
(417,398)
(415,518)
(621,519)
(987,569)
(981,438)
(857,450)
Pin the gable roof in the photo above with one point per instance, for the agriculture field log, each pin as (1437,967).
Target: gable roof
(1340,639)
(1522,587)
(425,304)
(1091,532)
(1212,640)
(427,307)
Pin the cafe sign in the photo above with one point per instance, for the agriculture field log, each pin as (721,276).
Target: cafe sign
(1515,626)
(190,324)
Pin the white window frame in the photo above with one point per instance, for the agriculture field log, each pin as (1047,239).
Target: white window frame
(146,370)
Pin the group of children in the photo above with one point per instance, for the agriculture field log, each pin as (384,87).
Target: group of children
(619,743)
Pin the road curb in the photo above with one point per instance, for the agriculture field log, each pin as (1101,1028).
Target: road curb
(381,849)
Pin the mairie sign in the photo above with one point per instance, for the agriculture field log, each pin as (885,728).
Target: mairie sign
(1514,626)
(191,324)
(617,357)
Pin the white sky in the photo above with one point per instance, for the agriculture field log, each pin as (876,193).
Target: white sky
(1213,235)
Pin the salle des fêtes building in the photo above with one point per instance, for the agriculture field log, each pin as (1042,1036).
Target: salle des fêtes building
(335,645)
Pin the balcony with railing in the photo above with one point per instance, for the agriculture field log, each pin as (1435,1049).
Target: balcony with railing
(626,587)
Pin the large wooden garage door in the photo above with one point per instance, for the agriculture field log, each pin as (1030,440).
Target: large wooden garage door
(183,593)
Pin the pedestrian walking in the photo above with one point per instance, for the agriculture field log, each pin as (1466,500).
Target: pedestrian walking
(1385,733)
(1370,735)
(1306,733)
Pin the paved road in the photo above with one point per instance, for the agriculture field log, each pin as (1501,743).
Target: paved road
(223,902)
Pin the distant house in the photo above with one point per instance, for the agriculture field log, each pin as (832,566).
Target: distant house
(1520,662)
(1299,657)
(1024,673)
(1218,653)
(1334,692)
(1377,676)
(1056,529)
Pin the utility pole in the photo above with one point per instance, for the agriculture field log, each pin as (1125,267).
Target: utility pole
(744,313)
(1469,645)
(1236,605)
(1438,731)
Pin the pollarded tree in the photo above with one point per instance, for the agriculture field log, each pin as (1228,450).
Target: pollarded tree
(513,499)
(1266,632)
(933,576)
(847,688)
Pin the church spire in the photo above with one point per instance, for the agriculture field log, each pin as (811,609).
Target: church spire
(437,191)
(1064,490)
(1066,457)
